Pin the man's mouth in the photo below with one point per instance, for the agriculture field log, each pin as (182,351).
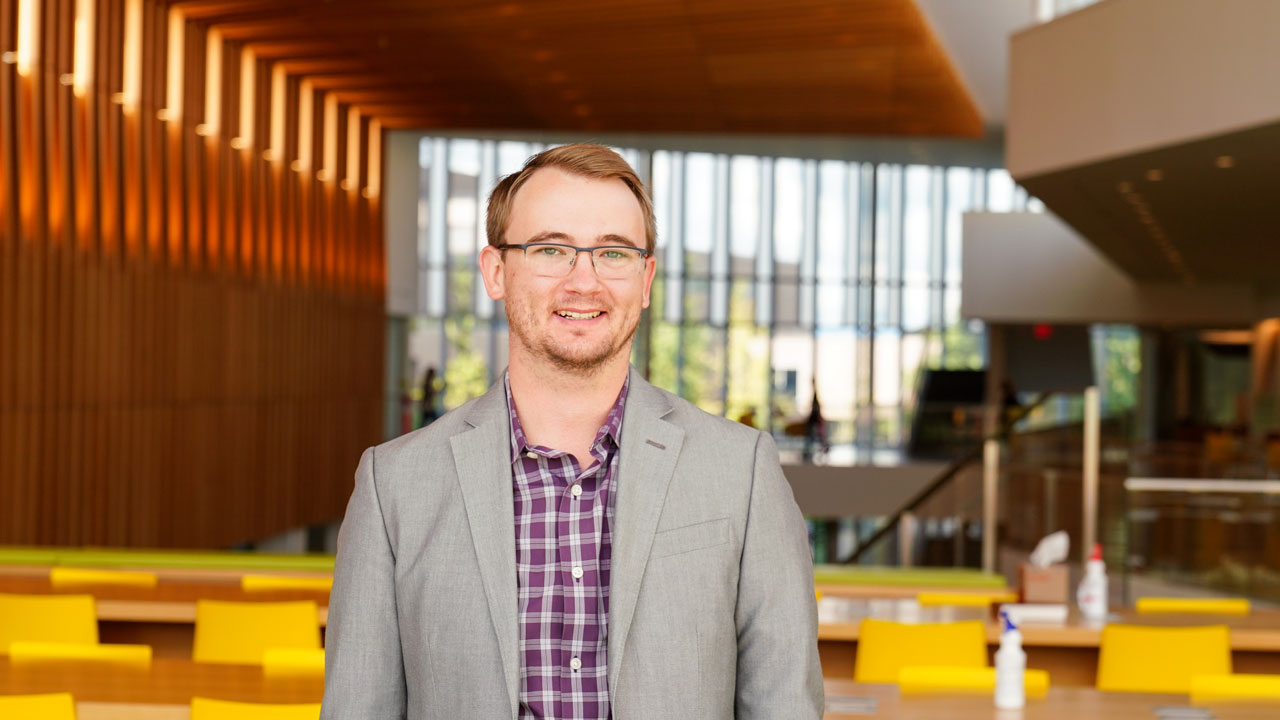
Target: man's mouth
(570,314)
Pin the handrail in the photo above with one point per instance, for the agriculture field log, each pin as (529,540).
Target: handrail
(946,476)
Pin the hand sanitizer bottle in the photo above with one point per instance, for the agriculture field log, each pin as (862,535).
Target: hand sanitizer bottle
(1091,596)
(1011,666)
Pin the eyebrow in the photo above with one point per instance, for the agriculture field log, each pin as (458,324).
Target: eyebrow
(556,236)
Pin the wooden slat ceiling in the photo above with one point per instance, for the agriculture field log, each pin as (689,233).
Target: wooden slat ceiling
(842,67)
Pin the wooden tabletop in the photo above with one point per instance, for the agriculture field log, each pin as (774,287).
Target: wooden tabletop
(840,617)
(898,591)
(1071,703)
(172,600)
(845,701)
(168,681)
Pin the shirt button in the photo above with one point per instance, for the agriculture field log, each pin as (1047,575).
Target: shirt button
(531,455)
(577,573)
(575,663)
(576,490)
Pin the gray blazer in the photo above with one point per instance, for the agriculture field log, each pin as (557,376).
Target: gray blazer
(712,611)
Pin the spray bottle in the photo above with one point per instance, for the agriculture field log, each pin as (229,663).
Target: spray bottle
(1011,666)
(1091,596)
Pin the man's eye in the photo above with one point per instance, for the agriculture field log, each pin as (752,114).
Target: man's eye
(549,250)
(614,255)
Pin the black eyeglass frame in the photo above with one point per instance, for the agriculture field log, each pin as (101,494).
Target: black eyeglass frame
(524,247)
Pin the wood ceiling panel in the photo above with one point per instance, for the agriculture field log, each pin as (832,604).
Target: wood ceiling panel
(803,66)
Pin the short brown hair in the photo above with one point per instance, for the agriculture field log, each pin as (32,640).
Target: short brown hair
(593,161)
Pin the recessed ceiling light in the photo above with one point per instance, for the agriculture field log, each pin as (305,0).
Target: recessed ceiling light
(1225,161)
(1155,175)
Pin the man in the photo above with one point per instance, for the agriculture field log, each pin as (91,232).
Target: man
(575,543)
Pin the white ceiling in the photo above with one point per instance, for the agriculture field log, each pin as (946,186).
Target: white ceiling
(975,34)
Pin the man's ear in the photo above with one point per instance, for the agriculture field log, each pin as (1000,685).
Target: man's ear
(491,271)
(650,268)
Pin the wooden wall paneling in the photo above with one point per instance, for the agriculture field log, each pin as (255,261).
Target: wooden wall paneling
(26,308)
(9,508)
(86,349)
(107,38)
(79,239)
(195,170)
(125,435)
(184,325)
(56,442)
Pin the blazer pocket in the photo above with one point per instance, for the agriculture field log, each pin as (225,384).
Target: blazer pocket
(690,537)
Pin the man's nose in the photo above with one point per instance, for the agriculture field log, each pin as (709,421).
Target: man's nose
(583,273)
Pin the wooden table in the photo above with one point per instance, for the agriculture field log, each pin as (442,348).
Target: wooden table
(899,591)
(1068,651)
(1062,703)
(164,616)
(164,694)
(166,689)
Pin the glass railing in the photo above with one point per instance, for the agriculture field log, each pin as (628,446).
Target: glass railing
(942,524)
(1202,536)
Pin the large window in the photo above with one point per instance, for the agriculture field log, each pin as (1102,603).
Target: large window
(779,279)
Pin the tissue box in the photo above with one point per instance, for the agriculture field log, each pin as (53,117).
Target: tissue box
(1044,584)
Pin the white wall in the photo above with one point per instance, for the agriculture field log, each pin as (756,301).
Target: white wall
(1032,267)
(400,220)
(1128,75)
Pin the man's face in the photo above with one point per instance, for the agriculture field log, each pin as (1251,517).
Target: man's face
(579,321)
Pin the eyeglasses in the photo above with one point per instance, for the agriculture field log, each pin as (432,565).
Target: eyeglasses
(616,262)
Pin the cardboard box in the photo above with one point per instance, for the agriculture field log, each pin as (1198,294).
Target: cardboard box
(1044,584)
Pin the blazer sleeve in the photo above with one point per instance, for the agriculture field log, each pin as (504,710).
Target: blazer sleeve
(364,672)
(779,674)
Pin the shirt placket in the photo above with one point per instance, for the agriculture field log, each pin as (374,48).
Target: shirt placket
(578,567)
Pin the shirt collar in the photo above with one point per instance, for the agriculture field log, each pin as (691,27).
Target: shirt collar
(611,430)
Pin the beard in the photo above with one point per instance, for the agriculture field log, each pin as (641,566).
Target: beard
(582,357)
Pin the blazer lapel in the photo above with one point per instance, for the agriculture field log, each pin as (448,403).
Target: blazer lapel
(482,457)
(650,446)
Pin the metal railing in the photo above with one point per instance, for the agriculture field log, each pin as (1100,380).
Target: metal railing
(944,478)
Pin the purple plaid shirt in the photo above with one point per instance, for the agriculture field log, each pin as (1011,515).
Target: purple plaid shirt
(564,521)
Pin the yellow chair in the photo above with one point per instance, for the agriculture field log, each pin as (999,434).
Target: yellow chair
(206,709)
(27,652)
(47,618)
(1211,606)
(885,647)
(1138,658)
(56,706)
(269,583)
(1243,687)
(982,600)
(239,632)
(930,679)
(285,662)
(65,578)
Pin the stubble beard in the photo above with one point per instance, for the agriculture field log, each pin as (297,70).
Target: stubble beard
(585,361)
